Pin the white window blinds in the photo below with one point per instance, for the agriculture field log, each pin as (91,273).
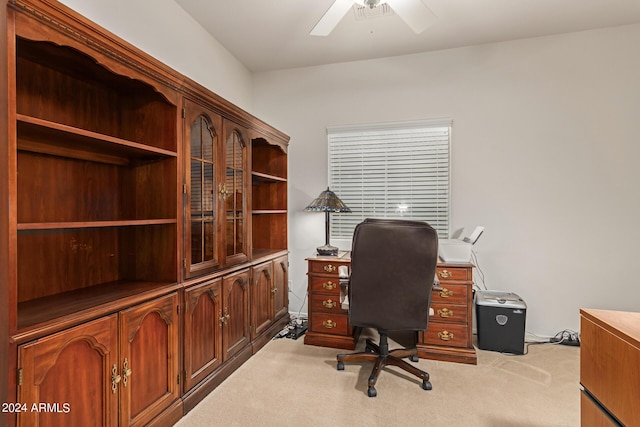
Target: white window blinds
(398,170)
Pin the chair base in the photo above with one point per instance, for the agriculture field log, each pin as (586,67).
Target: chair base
(381,357)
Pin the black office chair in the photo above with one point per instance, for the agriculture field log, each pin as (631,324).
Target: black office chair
(393,265)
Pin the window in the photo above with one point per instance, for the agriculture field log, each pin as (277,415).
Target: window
(397,170)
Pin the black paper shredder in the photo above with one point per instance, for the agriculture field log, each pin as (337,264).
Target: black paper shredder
(501,318)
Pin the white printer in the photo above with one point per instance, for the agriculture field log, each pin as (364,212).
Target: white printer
(458,251)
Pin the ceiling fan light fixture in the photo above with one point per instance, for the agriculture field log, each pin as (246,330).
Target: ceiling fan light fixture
(370,3)
(417,16)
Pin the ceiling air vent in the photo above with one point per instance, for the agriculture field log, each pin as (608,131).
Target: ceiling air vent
(365,12)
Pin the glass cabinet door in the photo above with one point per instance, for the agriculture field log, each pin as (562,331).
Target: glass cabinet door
(235,194)
(201,217)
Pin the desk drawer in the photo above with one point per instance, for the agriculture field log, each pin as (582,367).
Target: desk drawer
(326,304)
(326,323)
(450,294)
(449,313)
(325,285)
(325,267)
(592,414)
(446,334)
(453,273)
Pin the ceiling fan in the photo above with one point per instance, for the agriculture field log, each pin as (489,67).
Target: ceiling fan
(413,12)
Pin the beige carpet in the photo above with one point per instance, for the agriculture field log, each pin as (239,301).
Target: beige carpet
(288,383)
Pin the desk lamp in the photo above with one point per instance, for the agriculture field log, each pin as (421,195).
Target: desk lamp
(327,202)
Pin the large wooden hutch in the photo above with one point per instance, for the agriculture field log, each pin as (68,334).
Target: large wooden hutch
(143,228)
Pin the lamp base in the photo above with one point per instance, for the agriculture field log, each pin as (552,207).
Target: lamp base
(327,250)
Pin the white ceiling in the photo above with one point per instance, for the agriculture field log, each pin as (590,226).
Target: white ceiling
(274,34)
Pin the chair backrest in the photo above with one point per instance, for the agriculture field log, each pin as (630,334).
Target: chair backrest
(393,265)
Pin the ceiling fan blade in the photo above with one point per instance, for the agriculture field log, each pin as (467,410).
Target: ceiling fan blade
(331,18)
(414,13)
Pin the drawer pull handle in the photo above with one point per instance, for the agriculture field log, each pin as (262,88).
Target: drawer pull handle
(445,312)
(126,372)
(445,335)
(328,303)
(446,293)
(223,319)
(330,268)
(445,274)
(329,285)
(115,379)
(329,324)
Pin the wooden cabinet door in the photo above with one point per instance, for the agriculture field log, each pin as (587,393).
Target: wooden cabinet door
(148,361)
(235,312)
(281,286)
(71,371)
(202,153)
(202,331)
(261,298)
(233,192)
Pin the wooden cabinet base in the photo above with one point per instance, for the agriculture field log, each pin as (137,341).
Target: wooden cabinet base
(199,392)
(262,340)
(169,417)
(448,354)
(334,341)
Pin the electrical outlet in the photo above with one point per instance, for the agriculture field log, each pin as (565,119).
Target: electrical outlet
(566,338)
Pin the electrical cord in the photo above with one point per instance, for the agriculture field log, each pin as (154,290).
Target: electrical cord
(528,343)
(474,257)
(566,337)
(302,305)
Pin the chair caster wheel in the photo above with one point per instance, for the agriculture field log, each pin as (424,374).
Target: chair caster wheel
(426,385)
(371,392)
(414,358)
(340,366)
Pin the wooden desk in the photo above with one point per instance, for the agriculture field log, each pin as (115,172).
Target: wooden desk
(328,322)
(609,360)
(448,336)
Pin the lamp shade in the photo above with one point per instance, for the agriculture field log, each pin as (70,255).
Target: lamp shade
(327,201)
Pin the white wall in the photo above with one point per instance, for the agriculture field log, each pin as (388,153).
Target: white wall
(165,31)
(544,144)
(544,155)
